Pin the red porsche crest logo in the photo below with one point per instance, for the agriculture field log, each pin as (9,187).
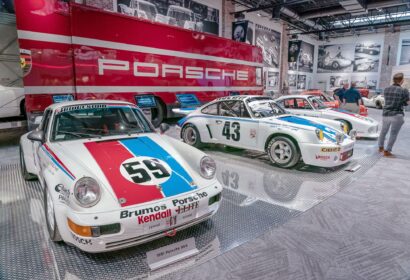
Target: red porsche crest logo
(25,61)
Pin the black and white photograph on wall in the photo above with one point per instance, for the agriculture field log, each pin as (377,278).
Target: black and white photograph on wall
(301,56)
(366,57)
(335,58)
(364,81)
(187,14)
(405,52)
(337,81)
(239,31)
(269,41)
(292,80)
(301,82)
(273,80)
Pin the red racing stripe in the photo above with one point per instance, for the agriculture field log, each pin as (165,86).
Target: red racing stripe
(109,156)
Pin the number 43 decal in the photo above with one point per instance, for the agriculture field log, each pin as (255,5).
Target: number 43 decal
(236,131)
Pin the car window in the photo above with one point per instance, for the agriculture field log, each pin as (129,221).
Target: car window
(301,103)
(45,121)
(233,108)
(211,109)
(265,108)
(317,103)
(97,120)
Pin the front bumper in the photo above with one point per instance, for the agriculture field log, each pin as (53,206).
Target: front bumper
(369,132)
(141,224)
(327,155)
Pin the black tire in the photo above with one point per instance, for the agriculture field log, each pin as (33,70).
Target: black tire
(158,113)
(320,64)
(283,152)
(52,230)
(26,175)
(191,136)
(349,125)
(379,105)
(335,65)
(23,108)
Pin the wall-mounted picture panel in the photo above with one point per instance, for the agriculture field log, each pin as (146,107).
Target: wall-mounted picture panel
(301,56)
(336,58)
(269,41)
(367,57)
(405,52)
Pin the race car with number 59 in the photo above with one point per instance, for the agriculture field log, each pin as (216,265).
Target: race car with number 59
(258,123)
(110,181)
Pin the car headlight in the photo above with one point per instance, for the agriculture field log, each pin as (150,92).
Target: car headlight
(87,192)
(339,137)
(319,134)
(344,127)
(207,167)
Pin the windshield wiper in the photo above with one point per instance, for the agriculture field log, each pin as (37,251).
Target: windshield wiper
(79,134)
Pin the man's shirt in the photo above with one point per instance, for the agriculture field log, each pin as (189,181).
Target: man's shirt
(352,95)
(395,98)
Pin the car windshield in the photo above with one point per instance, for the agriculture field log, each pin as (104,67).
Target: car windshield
(148,9)
(97,120)
(317,103)
(265,109)
(180,15)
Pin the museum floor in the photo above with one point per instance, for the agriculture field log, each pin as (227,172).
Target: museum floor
(307,223)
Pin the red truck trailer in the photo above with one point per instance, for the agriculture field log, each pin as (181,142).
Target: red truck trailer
(71,51)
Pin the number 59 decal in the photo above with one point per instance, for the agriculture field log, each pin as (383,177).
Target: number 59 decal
(236,131)
(146,171)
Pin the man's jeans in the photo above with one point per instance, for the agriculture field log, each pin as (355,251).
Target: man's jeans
(393,122)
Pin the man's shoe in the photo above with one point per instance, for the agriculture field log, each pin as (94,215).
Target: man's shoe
(388,154)
(381,149)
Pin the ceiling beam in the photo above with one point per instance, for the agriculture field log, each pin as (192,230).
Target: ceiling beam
(271,6)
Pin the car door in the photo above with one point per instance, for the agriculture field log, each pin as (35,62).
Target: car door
(234,126)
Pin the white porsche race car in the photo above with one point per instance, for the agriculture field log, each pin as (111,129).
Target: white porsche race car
(110,181)
(312,106)
(257,123)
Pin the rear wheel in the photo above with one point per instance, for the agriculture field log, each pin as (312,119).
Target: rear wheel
(50,217)
(26,175)
(283,152)
(157,113)
(190,135)
(335,65)
(379,105)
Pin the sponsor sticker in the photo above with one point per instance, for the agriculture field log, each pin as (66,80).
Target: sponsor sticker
(63,193)
(81,240)
(146,171)
(322,157)
(25,61)
(330,149)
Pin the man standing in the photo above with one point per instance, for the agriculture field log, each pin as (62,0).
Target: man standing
(340,91)
(352,99)
(395,98)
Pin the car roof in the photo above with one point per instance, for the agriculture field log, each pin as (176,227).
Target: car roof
(305,96)
(88,102)
(244,97)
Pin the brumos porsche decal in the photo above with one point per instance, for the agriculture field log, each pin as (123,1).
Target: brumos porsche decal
(139,170)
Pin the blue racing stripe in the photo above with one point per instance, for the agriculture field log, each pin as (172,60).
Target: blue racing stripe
(180,181)
(328,132)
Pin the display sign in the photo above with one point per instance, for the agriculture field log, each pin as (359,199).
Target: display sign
(239,31)
(62,98)
(171,253)
(188,100)
(146,101)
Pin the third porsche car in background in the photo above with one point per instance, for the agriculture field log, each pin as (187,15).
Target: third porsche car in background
(312,106)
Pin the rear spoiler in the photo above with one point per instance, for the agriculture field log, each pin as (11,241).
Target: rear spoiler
(184,111)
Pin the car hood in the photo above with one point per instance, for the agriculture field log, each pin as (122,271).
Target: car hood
(304,123)
(133,169)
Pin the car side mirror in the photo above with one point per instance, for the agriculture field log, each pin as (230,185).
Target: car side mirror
(164,127)
(36,135)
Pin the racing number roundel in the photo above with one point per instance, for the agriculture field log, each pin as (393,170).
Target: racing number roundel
(145,171)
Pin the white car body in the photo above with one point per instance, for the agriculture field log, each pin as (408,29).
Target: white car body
(11,102)
(144,210)
(364,126)
(376,101)
(254,133)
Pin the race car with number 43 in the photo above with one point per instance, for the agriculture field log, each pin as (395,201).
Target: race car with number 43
(258,123)
(111,181)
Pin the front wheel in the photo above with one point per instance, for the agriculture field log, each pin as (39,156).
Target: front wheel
(191,136)
(50,217)
(283,152)
(335,65)
(26,175)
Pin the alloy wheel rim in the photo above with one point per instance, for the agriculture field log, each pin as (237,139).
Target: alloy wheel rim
(190,136)
(281,152)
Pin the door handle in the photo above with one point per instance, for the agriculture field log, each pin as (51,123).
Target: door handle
(218,122)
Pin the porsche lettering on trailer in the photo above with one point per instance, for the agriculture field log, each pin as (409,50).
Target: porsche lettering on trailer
(154,70)
(90,53)
(108,177)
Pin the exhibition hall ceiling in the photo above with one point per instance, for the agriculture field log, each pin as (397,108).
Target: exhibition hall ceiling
(330,18)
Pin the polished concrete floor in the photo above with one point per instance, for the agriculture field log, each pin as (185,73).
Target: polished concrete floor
(273,224)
